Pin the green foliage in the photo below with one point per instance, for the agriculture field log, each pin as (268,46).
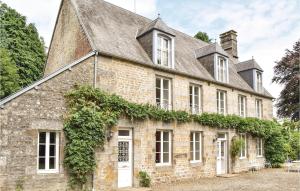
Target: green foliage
(235,148)
(286,73)
(25,47)
(203,36)
(92,112)
(145,179)
(8,74)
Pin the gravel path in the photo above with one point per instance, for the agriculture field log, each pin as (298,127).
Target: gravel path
(263,180)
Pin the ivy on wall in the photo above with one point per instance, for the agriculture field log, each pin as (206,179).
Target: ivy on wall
(92,112)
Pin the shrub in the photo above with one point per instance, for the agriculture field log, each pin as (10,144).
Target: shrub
(145,179)
(236,147)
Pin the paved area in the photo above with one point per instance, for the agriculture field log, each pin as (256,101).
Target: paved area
(263,180)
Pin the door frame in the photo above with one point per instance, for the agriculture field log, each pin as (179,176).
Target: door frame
(126,138)
(226,151)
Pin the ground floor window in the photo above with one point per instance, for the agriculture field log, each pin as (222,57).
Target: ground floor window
(195,146)
(259,147)
(243,153)
(48,151)
(163,148)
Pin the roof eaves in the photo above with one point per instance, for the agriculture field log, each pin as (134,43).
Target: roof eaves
(34,85)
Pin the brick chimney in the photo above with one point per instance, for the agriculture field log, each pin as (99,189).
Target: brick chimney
(229,42)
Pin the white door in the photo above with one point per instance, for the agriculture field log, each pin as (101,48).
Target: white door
(124,158)
(222,156)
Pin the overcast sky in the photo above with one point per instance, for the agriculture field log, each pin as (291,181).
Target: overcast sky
(265,28)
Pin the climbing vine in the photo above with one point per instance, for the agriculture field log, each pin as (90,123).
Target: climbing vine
(92,112)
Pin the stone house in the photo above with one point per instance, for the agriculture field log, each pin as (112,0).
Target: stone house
(144,61)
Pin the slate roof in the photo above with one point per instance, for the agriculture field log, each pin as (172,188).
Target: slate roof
(112,30)
(210,49)
(248,65)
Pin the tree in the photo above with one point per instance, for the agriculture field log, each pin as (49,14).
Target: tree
(203,36)
(8,74)
(24,46)
(286,72)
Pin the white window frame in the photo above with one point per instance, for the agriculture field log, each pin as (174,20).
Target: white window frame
(259,147)
(162,163)
(193,108)
(224,69)
(47,170)
(242,102)
(219,101)
(161,98)
(243,136)
(258,108)
(171,49)
(193,159)
(258,81)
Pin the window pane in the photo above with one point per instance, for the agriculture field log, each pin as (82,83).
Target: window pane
(166,84)
(123,132)
(157,147)
(52,163)
(166,147)
(157,135)
(166,157)
(158,42)
(166,136)
(197,153)
(166,94)
(42,150)
(158,57)
(52,137)
(52,150)
(157,157)
(42,137)
(42,163)
(157,82)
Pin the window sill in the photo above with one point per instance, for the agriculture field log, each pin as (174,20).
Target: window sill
(47,172)
(195,161)
(243,158)
(163,164)
(259,156)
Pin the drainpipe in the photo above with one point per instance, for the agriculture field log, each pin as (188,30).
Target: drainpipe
(95,69)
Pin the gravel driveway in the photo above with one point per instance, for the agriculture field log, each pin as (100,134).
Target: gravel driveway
(263,180)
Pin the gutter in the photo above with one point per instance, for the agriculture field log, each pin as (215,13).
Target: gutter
(95,68)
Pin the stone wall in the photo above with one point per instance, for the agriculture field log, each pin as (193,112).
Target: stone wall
(136,83)
(69,42)
(20,121)
(106,175)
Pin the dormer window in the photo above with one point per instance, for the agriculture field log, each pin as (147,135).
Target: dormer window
(221,69)
(163,51)
(259,85)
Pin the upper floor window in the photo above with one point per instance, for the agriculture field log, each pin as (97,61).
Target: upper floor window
(195,147)
(242,105)
(243,153)
(163,51)
(221,102)
(258,108)
(163,148)
(195,99)
(222,69)
(163,93)
(48,146)
(259,85)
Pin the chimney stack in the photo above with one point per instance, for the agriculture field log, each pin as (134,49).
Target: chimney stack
(229,42)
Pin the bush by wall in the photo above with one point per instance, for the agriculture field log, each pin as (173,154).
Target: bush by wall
(92,112)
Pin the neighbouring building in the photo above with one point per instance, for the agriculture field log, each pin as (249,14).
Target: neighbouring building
(144,61)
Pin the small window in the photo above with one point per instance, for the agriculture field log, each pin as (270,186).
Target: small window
(123,133)
(163,148)
(221,102)
(163,93)
(242,105)
(195,99)
(196,147)
(48,152)
(163,51)
(259,85)
(222,69)
(259,147)
(243,153)
(258,108)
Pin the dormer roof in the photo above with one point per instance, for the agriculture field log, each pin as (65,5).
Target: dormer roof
(157,24)
(210,49)
(248,65)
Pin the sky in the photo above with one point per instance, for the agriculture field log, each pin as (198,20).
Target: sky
(265,28)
